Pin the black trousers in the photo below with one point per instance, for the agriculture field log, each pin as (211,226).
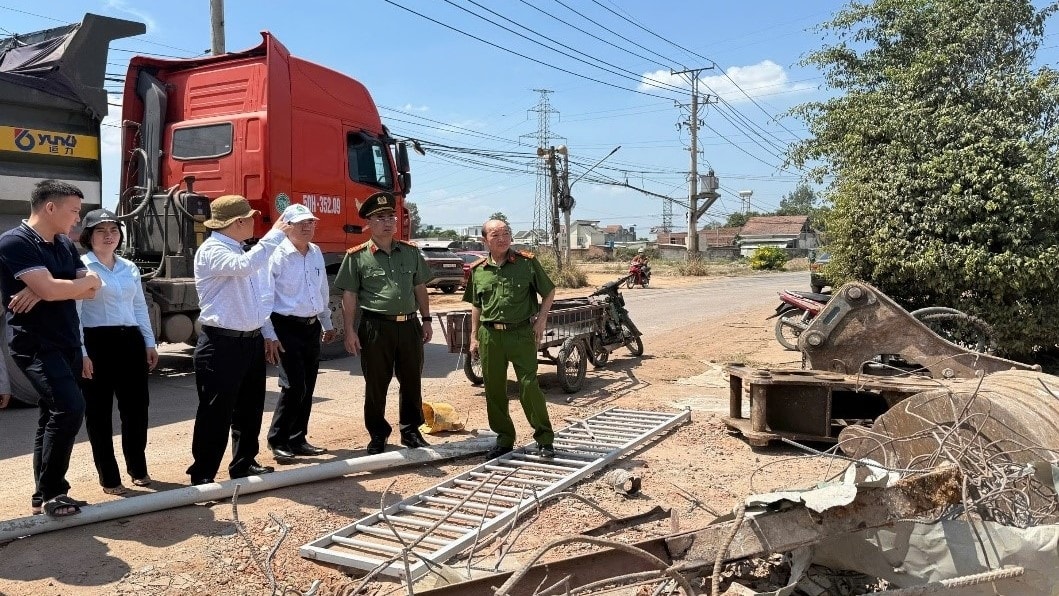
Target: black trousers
(300,360)
(53,373)
(388,349)
(119,363)
(230,378)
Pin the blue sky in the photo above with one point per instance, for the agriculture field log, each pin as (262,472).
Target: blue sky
(439,85)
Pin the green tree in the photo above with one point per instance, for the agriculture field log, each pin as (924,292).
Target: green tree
(413,216)
(940,146)
(499,215)
(738,219)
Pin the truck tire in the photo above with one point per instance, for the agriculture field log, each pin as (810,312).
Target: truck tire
(23,394)
(448,289)
(337,348)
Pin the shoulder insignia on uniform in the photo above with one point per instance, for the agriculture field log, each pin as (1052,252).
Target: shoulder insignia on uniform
(405,242)
(358,248)
(525,253)
(479,262)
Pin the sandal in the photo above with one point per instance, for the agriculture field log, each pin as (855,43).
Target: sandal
(118,490)
(145,481)
(62,506)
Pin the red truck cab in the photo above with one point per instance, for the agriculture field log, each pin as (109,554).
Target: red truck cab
(259,123)
(272,127)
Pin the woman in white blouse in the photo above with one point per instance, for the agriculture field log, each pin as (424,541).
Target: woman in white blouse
(119,351)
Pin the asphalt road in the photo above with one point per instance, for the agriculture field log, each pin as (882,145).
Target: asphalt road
(174,401)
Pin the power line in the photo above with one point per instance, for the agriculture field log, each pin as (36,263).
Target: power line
(629,74)
(520,55)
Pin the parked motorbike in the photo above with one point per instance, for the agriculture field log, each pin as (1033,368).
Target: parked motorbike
(617,328)
(639,274)
(795,312)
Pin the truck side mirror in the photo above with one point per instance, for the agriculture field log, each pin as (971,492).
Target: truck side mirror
(402,158)
(406,182)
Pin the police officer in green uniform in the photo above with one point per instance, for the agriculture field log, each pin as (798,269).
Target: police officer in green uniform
(386,279)
(503,291)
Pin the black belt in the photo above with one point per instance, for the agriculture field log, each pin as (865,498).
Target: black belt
(231,332)
(502,326)
(294,319)
(399,318)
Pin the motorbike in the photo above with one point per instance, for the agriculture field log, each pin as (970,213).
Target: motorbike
(795,312)
(616,329)
(639,274)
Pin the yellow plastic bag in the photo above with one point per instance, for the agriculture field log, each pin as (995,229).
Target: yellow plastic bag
(439,417)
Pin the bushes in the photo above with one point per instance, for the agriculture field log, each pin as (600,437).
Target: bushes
(571,277)
(693,267)
(768,258)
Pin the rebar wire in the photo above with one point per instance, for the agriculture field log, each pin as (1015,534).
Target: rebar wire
(965,581)
(517,576)
(715,578)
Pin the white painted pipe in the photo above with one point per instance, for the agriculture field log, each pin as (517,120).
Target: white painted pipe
(169,499)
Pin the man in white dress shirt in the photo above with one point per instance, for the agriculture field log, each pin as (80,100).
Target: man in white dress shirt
(301,319)
(235,299)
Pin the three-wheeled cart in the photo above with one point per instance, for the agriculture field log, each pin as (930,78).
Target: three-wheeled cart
(570,327)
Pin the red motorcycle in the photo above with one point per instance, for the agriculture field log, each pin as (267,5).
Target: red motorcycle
(639,274)
(795,312)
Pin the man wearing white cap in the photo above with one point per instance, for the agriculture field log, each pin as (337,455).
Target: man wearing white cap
(301,318)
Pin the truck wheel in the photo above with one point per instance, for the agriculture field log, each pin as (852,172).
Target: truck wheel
(337,348)
(472,367)
(22,392)
(571,365)
(448,289)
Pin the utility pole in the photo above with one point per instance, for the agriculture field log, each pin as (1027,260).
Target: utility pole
(217,26)
(692,75)
(556,191)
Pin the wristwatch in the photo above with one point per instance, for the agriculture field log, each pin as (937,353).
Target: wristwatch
(427,318)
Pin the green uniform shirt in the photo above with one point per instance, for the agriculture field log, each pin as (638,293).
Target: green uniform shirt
(507,292)
(383,282)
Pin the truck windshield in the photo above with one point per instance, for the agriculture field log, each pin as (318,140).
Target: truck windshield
(369,162)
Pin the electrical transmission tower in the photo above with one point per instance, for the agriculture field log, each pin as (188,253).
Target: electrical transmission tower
(667,215)
(542,212)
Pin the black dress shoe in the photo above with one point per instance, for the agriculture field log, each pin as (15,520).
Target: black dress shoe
(281,451)
(497,451)
(307,449)
(253,470)
(413,440)
(198,481)
(376,445)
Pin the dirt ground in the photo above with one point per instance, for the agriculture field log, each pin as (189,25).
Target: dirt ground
(697,470)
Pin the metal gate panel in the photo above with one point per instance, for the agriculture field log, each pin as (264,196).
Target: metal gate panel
(440,522)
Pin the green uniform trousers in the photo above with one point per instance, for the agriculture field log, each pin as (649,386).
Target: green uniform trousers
(517,346)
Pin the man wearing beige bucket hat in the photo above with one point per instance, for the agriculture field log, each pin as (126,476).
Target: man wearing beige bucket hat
(235,298)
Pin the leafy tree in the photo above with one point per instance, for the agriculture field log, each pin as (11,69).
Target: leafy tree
(413,215)
(738,219)
(449,235)
(499,215)
(941,151)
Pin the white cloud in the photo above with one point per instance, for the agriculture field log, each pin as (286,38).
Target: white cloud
(122,6)
(756,80)
(411,108)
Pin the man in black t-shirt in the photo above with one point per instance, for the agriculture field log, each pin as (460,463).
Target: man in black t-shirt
(41,275)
